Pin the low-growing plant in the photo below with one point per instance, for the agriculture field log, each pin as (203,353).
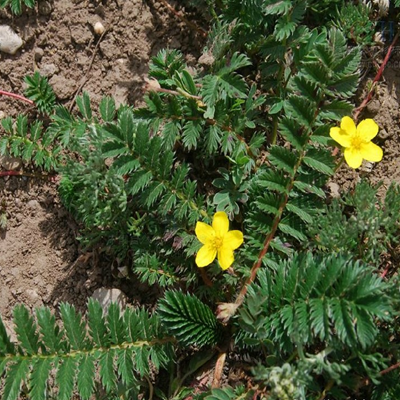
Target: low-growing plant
(214,190)
(16,6)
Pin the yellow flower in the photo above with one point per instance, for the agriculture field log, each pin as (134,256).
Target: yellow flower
(218,241)
(357,141)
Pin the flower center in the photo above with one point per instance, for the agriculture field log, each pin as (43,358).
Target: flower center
(217,242)
(356,142)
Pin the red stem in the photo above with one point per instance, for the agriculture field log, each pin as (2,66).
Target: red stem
(377,77)
(16,96)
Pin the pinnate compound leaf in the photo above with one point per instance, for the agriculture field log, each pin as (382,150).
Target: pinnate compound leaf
(188,319)
(320,160)
(283,159)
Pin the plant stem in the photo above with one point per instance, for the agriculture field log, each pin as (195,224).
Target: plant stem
(377,77)
(16,96)
(270,236)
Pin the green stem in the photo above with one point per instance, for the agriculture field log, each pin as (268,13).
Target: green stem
(92,351)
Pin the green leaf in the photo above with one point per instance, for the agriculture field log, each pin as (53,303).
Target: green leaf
(7,124)
(74,326)
(114,320)
(83,103)
(86,375)
(319,160)
(170,134)
(22,125)
(125,366)
(50,332)
(301,109)
(319,318)
(127,126)
(107,109)
(345,86)
(65,378)
(293,132)
(25,329)
(6,346)
(336,110)
(273,180)
(299,211)
(191,134)
(189,319)
(283,158)
(16,373)
(97,324)
(292,226)
(38,380)
(107,368)
(365,327)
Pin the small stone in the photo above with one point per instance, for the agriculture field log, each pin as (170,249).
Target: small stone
(33,205)
(107,296)
(207,59)
(32,295)
(334,188)
(63,87)
(39,53)
(98,28)
(10,42)
(2,114)
(373,107)
(80,34)
(19,217)
(48,70)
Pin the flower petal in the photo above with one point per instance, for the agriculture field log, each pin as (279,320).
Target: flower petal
(348,125)
(353,157)
(232,240)
(371,152)
(204,232)
(367,129)
(225,257)
(220,223)
(205,256)
(340,136)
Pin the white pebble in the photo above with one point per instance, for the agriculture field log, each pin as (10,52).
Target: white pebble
(98,28)
(10,42)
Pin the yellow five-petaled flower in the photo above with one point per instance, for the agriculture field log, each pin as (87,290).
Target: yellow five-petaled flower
(357,141)
(218,241)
